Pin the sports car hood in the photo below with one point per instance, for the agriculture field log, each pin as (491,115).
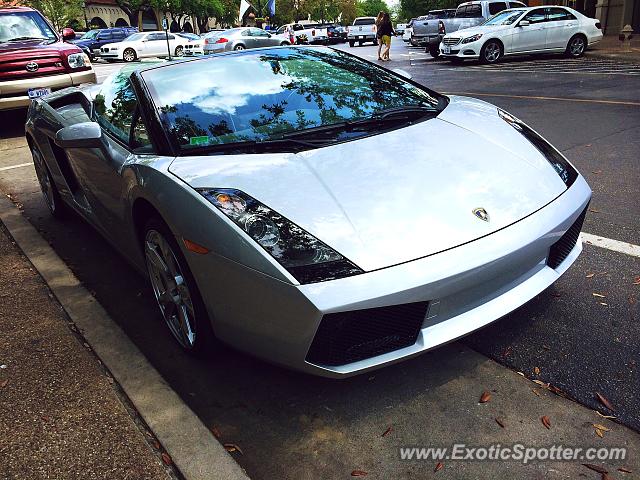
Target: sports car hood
(401,195)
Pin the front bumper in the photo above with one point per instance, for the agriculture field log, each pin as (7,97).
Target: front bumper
(13,94)
(469,50)
(467,287)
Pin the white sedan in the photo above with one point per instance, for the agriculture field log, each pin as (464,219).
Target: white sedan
(144,45)
(523,31)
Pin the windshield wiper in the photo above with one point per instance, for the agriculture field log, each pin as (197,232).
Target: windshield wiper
(19,39)
(278,144)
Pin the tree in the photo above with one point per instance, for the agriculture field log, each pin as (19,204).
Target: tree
(61,13)
(371,8)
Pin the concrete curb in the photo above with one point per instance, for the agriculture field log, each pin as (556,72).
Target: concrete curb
(192,447)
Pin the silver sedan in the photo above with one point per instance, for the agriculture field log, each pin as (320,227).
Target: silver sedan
(242,38)
(261,194)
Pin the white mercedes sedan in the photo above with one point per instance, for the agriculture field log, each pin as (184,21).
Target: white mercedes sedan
(521,31)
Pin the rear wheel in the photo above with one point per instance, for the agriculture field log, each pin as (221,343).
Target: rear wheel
(239,47)
(576,46)
(284,44)
(175,289)
(47,185)
(129,55)
(434,51)
(491,52)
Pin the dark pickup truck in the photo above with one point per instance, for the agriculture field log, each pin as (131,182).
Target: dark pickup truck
(35,60)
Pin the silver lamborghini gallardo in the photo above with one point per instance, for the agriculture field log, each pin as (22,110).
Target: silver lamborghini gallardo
(262,194)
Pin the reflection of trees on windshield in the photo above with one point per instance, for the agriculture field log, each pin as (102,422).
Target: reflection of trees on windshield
(318,88)
(115,105)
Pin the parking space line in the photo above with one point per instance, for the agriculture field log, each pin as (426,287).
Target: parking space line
(610,244)
(11,167)
(536,97)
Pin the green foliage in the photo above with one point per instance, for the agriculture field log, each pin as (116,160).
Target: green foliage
(61,13)
(371,8)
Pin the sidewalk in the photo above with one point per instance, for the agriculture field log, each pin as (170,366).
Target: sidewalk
(611,47)
(61,414)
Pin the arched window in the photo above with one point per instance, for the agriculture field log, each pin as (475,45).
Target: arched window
(121,22)
(97,22)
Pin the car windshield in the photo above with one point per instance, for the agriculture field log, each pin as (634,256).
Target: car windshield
(212,102)
(90,35)
(504,18)
(135,37)
(16,26)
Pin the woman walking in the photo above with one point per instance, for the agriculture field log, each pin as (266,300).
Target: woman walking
(378,37)
(385,30)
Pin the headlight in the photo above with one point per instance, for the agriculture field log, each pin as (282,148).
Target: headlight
(78,60)
(303,255)
(567,173)
(472,38)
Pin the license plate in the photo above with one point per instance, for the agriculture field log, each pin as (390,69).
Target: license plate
(38,92)
(447,49)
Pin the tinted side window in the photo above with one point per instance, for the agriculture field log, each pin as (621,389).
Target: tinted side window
(557,14)
(114,107)
(535,16)
(104,36)
(497,7)
(118,35)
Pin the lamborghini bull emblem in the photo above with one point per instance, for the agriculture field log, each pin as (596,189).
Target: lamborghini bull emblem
(481,213)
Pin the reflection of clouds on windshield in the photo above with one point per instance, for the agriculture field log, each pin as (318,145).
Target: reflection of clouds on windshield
(222,89)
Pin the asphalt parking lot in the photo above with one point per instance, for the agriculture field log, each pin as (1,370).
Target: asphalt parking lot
(567,336)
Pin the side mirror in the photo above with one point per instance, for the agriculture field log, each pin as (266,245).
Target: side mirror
(402,73)
(80,135)
(68,33)
(523,23)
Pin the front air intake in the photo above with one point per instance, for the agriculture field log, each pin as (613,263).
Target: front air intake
(561,249)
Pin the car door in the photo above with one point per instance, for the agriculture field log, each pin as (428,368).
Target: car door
(261,38)
(100,170)
(531,37)
(561,26)
(156,45)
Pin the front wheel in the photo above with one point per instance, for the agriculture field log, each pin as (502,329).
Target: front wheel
(129,55)
(576,46)
(491,52)
(434,52)
(179,51)
(175,289)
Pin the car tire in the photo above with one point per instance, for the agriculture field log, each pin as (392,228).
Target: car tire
(239,47)
(182,308)
(50,193)
(179,52)
(351,44)
(577,46)
(284,44)
(129,55)
(434,51)
(491,52)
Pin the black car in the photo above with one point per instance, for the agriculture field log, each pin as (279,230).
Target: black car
(336,33)
(94,39)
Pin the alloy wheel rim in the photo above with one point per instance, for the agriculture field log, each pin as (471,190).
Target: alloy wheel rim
(492,52)
(179,51)
(577,46)
(239,47)
(170,288)
(128,56)
(44,180)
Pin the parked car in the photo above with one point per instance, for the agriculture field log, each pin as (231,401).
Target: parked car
(200,174)
(524,31)
(144,45)
(406,35)
(241,38)
(35,60)
(194,45)
(336,33)
(429,33)
(93,40)
(363,30)
(304,33)
(400,28)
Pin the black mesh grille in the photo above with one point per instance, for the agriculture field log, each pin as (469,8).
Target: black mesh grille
(347,337)
(559,250)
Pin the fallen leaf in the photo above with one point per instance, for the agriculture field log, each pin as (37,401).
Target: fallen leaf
(520,373)
(166,458)
(590,275)
(546,422)
(595,468)
(599,295)
(156,444)
(603,400)
(387,431)
(594,210)
(500,422)
(535,391)
(636,281)
(557,391)
(610,417)
(599,433)
(603,304)
(601,427)
(536,370)
(596,172)
(485,397)
(216,432)
(4,383)
(359,473)
(439,466)
(624,470)
(232,447)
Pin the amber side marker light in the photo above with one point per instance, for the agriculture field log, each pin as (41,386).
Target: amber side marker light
(194,247)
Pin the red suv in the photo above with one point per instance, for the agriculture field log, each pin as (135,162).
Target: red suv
(34,60)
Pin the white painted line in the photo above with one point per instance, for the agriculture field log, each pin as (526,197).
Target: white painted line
(610,244)
(191,445)
(11,167)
